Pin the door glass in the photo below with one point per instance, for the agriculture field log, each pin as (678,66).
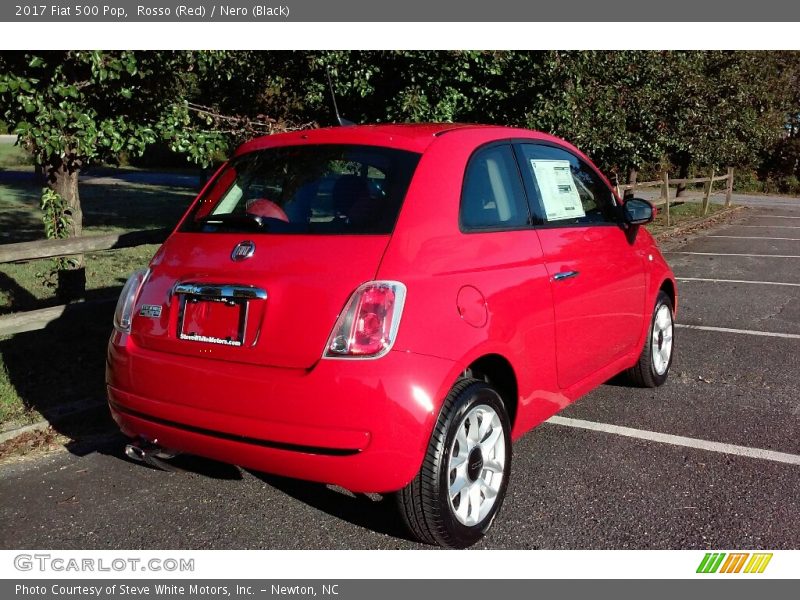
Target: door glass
(493,197)
(563,189)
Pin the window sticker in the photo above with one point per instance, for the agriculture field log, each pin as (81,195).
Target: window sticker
(559,194)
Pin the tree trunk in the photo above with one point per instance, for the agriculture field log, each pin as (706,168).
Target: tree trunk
(683,173)
(633,174)
(62,178)
(38,173)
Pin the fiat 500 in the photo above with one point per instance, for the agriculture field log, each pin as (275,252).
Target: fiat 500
(386,308)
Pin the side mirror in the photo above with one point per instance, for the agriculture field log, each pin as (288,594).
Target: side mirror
(638,212)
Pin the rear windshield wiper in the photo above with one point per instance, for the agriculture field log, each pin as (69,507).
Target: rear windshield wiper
(235,221)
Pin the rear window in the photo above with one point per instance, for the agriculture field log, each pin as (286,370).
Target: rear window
(325,189)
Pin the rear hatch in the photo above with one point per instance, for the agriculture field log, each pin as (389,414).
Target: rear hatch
(267,257)
(207,299)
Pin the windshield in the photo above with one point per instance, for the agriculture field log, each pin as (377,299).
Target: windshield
(326,189)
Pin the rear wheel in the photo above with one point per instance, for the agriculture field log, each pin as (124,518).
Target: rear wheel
(459,489)
(656,358)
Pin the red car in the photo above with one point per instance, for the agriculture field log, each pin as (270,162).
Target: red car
(388,307)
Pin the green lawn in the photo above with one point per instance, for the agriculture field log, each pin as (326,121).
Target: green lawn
(13,156)
(12,408)
(64,362)
(680,214)
(107,209)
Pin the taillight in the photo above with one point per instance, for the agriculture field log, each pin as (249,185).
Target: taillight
(123,315)
(368,325)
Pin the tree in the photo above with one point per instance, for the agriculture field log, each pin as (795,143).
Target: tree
(376,86)
(723,107)
(73,108)
(606,103)
(628,110)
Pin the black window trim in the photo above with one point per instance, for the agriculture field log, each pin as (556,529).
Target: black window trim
(527,181)
(498,228)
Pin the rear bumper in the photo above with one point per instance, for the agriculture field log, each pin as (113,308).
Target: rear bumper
(360,424)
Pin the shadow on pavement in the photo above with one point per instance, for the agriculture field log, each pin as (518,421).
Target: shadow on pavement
(373,512)
(60,369)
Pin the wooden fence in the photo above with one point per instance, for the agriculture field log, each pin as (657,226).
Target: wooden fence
(38,319)
(665,182)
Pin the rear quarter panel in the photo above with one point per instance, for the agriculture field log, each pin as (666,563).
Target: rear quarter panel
(435,260)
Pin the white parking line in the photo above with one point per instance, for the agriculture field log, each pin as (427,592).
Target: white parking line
(791,336)
(736,281)
(773,217)
(769,226)
(754,237)
(678,440)
(733,254)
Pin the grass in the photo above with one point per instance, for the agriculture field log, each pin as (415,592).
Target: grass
(65,362)
(12,408)
(107,209)
(26,286)
(61,364)
(680,214)
(13,156)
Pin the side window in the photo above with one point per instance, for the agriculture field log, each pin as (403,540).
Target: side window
(563,189)
(493,197)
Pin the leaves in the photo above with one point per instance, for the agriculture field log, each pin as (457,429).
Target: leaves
(90,106)
(625,108)
(55,215)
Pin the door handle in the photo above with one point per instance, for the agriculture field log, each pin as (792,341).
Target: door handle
(565,275)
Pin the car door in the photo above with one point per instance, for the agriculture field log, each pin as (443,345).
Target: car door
(596,272)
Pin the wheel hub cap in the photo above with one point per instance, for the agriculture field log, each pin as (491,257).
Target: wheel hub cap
(475,463)
(662,339)
(476,466)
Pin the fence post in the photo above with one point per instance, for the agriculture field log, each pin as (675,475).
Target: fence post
(632,175)
(665,193)
(729,190)
(707,196)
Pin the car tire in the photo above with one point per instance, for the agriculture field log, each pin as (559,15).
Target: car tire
(463,479)
(652,368)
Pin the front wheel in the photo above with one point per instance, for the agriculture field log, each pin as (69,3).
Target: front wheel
(459,489)
(653,366)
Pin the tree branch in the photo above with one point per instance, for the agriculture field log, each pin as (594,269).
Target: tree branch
(242,124)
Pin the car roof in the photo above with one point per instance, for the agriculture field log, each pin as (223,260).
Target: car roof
(415,137)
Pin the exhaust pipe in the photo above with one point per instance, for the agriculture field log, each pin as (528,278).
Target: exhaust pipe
(142,450)
(134,452)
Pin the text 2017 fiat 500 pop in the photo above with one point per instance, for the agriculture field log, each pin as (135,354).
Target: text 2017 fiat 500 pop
(386,308)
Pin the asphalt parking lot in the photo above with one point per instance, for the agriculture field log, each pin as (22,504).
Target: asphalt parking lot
(711,460)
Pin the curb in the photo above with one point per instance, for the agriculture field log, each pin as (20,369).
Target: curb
(42,424)
(15,433)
